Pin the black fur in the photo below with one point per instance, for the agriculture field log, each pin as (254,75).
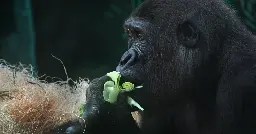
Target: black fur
(197,63)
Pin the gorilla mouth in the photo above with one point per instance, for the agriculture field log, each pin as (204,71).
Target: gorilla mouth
(131,78)
(138,80)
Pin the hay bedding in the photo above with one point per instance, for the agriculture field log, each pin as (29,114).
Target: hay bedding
(32,106)
(29,105)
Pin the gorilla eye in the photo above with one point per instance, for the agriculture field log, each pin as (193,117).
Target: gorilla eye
(188,34)
(137,32)
(128,32)
(133,32)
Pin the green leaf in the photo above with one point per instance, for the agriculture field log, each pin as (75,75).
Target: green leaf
(134,103)
(81,109)
(139,87)
(110,92)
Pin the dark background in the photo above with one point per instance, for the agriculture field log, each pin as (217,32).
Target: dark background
(86,35)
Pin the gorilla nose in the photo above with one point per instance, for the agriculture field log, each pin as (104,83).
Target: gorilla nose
(128,59)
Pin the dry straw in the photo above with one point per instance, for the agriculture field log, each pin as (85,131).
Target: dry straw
(32,106)
(29,105)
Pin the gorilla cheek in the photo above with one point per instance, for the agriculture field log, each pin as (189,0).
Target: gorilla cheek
(187,60)
(171,72)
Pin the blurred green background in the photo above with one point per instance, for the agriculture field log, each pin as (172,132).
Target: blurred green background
(80,33)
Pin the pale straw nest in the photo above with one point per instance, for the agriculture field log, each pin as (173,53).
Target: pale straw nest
(29,105)
(32,106)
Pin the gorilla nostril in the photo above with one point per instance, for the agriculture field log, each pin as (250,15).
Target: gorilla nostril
(128,58)
(125,59)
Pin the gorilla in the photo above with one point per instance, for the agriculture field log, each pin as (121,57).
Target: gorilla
(196,61)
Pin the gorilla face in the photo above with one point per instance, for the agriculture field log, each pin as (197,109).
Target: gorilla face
(168,48)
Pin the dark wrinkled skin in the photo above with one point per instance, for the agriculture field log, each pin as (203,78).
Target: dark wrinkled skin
(196,61)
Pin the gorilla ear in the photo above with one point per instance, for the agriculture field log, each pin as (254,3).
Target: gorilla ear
(188,34)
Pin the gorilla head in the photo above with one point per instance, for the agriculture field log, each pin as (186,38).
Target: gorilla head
(174,49)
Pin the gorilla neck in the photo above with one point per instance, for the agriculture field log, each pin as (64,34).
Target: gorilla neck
(193,118)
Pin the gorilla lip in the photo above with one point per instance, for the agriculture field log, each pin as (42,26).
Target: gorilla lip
(135,81)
